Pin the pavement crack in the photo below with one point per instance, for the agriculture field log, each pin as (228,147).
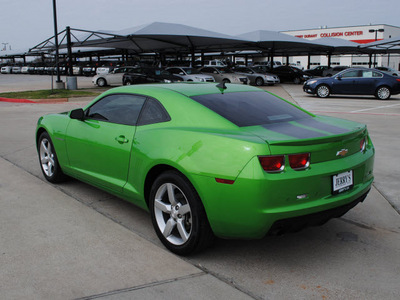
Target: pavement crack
(135,288)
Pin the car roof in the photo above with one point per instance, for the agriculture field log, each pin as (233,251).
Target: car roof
(186,89)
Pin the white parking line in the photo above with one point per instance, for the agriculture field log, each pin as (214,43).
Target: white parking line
(379,107)
(350,112)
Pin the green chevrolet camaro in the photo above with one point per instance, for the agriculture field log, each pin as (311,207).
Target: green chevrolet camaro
(229,161)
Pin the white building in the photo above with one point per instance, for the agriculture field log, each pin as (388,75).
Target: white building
(358,34)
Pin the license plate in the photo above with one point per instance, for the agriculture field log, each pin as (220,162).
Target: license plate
(342,182)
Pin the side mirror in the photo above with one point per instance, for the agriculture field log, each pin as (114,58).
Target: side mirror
(77,114)
(339,77)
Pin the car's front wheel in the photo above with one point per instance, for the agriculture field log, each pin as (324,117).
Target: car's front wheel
(259,81)
(383,93)
(178,215)
(101,82)
(48,160)
(297,80)
(225,80)
(323,91)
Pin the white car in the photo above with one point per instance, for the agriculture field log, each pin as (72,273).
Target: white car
(6,70)
(103,70)
(190,74)
(112,78)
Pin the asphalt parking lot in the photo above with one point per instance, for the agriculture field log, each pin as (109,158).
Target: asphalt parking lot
(73,241)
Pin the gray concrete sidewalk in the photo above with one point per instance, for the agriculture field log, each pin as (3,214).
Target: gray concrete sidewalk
(54,247)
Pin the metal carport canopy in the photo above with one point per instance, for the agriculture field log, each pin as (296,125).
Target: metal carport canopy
(157,37)
(390,45)
(172,38)
(283,44)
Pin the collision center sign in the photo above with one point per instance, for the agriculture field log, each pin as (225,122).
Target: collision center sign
(331,34)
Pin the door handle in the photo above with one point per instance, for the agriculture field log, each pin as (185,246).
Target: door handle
(121,139)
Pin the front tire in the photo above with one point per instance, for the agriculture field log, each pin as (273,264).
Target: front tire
(383,93)
(48,160)
(297,80)
(259,81)
(101,82)
(178,215)
(225,80)
(323,91)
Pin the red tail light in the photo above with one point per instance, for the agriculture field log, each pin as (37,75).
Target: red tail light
(299,161)
(274,163)
(398,79)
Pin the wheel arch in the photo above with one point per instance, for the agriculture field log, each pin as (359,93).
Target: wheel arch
(383,85)
(152,175)
(39,132)
(105,80)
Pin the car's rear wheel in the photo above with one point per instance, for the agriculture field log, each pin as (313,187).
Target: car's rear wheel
(226,80)
(48,160)
(178,215)
(128,83)
(259,81)
(297,80)
(323,91)
(101,82)
(383,93)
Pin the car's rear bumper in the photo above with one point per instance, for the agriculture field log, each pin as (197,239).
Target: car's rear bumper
(257,202)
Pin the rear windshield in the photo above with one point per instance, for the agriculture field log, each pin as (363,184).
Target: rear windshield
(251,108)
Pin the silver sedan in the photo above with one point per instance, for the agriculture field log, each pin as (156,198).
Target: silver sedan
(257,78)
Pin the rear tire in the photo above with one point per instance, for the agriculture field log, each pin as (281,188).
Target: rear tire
(297,80)
(323,91)
(178,215)
(383,93)
(226,81)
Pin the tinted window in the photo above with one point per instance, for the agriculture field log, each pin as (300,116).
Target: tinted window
(119,108)
(153,112)
(191,71)
(349,74)
(251,108)
(207,70)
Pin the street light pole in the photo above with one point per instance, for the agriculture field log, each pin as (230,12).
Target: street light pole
(56,40)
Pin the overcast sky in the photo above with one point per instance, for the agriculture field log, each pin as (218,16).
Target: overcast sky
(25,23)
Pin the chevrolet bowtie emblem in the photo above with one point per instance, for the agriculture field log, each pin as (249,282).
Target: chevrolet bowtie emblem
(342,152)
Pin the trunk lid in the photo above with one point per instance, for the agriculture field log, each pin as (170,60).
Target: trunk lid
(326,138)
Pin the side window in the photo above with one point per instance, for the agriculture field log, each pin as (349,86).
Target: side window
(350,74)
(153,112)
(376,75)
(119,108)
(174,70)
(207,70)
(367,74)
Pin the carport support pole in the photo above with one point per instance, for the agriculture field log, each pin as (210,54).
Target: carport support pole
(193,57)
(329,60)
(370,60)
(69,47)
(309,61)
(71,79)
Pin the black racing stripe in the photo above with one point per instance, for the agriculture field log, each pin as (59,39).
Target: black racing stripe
(293,130)
(310,122)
